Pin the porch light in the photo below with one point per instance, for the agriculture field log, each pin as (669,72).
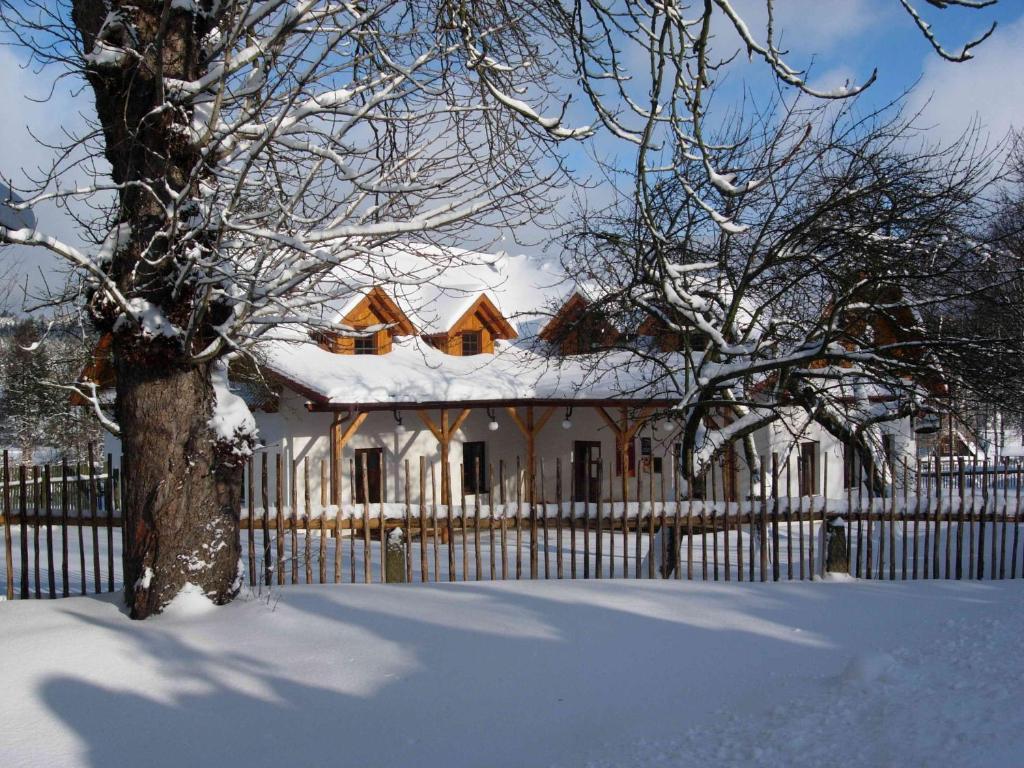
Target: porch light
(492,423)
(567,421)
(399,426)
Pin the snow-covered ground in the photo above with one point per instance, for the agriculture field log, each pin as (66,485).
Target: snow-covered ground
(523,674)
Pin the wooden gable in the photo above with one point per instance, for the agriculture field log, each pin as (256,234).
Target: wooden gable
(574,329)
(475,331)
(375,308)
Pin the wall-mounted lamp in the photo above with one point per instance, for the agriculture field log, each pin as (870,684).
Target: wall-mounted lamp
(492,423)
(567,421)
(399,426)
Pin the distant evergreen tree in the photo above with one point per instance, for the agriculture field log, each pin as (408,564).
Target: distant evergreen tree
(27,403)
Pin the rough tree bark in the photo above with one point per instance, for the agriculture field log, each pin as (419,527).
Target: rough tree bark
(181,496)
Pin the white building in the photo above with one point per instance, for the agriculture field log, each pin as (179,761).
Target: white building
(466,366)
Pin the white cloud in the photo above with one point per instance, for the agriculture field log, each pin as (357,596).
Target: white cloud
(989,87)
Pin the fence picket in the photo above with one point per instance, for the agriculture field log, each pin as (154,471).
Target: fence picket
(65,583)
(97,576)
(51,576)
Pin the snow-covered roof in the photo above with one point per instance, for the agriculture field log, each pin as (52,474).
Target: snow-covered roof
(415,372)
(435,286)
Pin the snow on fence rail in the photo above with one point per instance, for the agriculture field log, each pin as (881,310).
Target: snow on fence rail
(61,528)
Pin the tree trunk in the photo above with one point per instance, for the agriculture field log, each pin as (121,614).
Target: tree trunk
(181,495)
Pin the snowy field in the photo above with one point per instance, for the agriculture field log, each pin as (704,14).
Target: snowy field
(595,674)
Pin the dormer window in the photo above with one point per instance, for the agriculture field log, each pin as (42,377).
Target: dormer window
(471,343)
(370,308)
(365,345)
(474,332)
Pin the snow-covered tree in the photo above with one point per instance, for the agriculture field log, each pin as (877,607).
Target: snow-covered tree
(257,151)
(26,411)
(831,305)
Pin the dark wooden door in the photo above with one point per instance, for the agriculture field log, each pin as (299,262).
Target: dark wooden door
(374,461)
(587,470)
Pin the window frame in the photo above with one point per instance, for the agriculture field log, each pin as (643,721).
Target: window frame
(478,339)
(371,340)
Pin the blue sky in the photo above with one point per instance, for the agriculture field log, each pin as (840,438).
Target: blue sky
(843,39)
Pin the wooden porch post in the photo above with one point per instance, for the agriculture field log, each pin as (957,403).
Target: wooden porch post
(530,429)
(443,434)
(339,437)
(624,433)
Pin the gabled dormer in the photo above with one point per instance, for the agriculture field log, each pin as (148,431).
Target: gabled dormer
(475,331)
(576,329)
(374,309)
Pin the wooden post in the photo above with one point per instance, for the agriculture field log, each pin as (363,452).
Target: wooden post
(48,498)
(558,517)
(408,524)
(433,521)
(340,434)
(367,552)
(97,575)
(265,519)
(423,519)
(80,515)
(443,434)
(36,508)
(293,518)
(307,517)
(776,564)
(504,518)
(519,522)
(279,517)
(764,521)
(476,522)
(250,497)
(8,517)
(492,517)
(65,585)
(462,528)
(24,535)
(110,522)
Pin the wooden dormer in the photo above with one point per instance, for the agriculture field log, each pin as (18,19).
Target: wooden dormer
(575,330)
(475,331)
(376,308)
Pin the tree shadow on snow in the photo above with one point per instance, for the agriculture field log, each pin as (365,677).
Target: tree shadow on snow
(473,674)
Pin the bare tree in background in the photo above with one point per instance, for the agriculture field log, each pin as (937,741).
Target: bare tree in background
(257,150)
(828,308)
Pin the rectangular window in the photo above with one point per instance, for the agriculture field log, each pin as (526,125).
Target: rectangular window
(373,459)
(471,343)
(474,467)
(366,345)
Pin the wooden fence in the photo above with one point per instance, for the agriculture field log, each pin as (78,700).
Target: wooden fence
(61,528)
